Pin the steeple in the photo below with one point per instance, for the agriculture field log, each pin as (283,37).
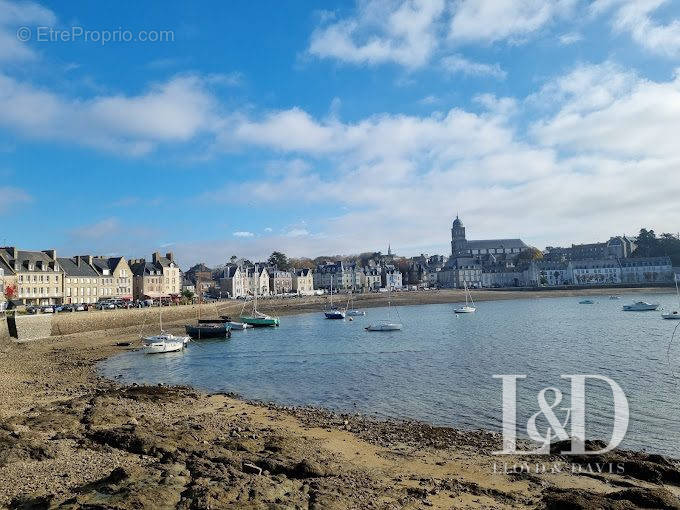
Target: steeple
(389,250)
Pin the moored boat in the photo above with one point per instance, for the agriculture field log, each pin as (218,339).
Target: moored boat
(258,319)
(208,330)
(164,342)
(468,298)
(384,325)
(674,315)
(641,306)
(586,302)
(238,326)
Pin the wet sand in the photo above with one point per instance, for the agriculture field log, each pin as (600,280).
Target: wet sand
(71,439)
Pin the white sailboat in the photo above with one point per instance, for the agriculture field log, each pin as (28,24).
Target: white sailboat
(675,314)
(468,299)
(164,342)
(354,312)
(386,324)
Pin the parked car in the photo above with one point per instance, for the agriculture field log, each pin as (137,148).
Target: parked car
(58,309)
(48,309)
(32,309)
(79,308)
(105,305)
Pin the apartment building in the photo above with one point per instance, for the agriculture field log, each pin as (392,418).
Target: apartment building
(159,278)
(116,276)
(38,275)
(8,282)
(303,282)
(82,282)
(234,282)
(280,282)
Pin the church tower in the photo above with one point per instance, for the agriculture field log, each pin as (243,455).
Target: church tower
(458,241)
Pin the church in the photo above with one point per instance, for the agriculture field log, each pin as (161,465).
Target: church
(482,250)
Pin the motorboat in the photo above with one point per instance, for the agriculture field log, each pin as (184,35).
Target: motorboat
(355,313)
(468,299)
(384,325)
(614,297)
(586,302)
(164,342)
(641,306)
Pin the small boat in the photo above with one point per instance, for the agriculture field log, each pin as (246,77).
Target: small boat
(332,312)
(384,325)
(614,297)
(674,315)
(258,319)
(468,298)
(641,306)
(208,330)
(354,312)
(164,342)
(586,302)
(239,325)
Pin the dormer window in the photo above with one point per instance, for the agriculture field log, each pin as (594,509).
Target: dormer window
(30,267)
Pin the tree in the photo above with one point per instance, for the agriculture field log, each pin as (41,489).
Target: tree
(233,259)
(188,295)
(279,260)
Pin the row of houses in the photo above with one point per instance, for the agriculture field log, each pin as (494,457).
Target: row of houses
(43,278)
(239,281)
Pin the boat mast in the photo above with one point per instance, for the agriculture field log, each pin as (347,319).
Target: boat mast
(675,277)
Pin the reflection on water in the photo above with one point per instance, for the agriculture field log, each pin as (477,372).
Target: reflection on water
(439,368)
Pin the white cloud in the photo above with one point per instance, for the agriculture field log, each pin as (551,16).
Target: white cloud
(14,15)
(497,20)
(268,229)
(298,232)
(570,38)
(243,234)
(11,196)
(634,17)
(174,111)
(458,64)
(399,31)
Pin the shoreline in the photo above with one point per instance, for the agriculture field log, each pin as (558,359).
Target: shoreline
(69,435)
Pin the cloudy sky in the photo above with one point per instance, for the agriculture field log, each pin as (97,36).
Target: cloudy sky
(254,126)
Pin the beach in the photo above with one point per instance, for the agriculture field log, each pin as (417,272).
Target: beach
(69,439)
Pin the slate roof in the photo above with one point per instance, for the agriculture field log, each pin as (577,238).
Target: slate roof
(24,258)
(303,272)
(487,244)
(6,268)
(101,263)
(146,269)
(72,268)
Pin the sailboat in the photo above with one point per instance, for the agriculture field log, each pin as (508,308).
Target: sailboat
(468,299)
(258,319)
(386,324)
(164,342)
(354,312)
(675,314)
(332,312)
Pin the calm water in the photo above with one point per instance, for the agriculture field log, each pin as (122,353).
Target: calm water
(439,368)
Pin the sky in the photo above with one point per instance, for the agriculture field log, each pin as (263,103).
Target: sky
(215,129)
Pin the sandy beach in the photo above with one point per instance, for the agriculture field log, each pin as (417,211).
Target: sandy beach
(70,439)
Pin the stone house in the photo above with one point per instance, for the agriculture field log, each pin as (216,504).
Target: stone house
(82,282)
(7,280)
(115,275)
(280,282)
(303,282)
(646,270)
(38,275)
(234,282)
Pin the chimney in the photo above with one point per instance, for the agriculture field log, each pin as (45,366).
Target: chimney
(155,257)
(51,254)
(170,256)
(78,260)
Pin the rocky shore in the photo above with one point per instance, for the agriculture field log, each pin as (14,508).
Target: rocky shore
(70,439)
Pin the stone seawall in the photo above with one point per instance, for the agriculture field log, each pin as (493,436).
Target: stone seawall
(4,331)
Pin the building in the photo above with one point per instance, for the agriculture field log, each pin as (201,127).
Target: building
(391,277)
(501,275)
(618,247)
(549,273)
(38,275)
(303,282)
(460,271)
(235,282)
(200,273)
(82,282)
(646,270)
(337,274)
(172,282)
(259,281)
(478,249)
(280,282)
(595,271)
(147,280)
(115,275)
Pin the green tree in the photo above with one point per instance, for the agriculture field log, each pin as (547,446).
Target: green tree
(279,260)
(188,295)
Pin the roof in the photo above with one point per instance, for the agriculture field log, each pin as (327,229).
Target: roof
(145,269)
(101,263)
(26,258)
(72,268)
(487,244)
(303,272)
(6,268)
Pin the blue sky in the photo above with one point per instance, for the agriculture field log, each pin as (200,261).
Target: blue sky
(276,125)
